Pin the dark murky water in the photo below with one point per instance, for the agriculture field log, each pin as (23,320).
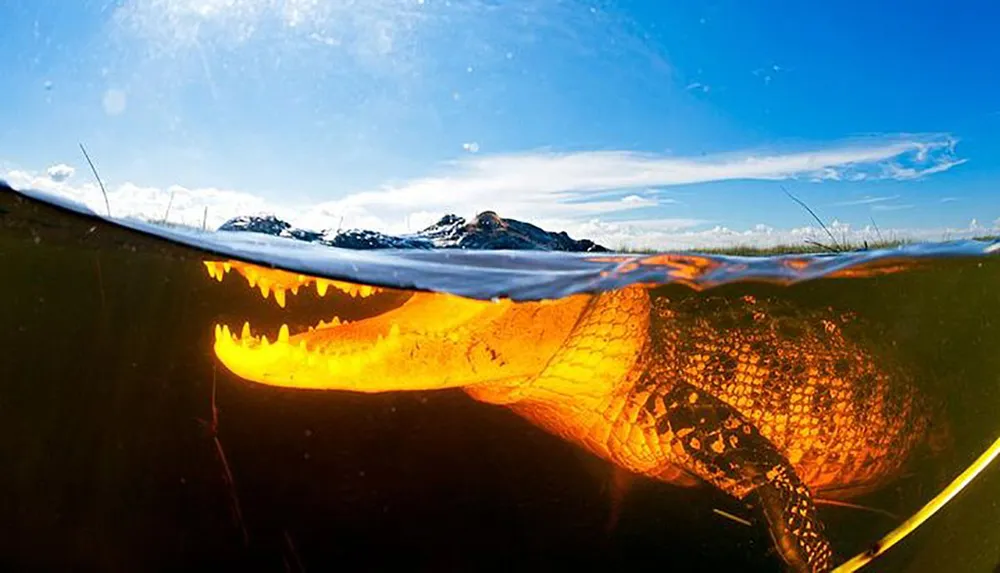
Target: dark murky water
(107,368)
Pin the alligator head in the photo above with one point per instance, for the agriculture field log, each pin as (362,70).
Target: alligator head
(430,341)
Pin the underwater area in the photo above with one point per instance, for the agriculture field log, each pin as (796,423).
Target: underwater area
(141,430)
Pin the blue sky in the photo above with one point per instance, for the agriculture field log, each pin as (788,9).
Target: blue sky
(641,123)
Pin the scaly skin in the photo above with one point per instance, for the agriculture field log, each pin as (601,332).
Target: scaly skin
(759,400)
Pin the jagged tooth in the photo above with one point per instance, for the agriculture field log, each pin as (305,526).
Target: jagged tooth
(265,289)
(295,289)
(365,290)
(283,334)
(322,286)
(210,267)
(218,332)
(226,266)
(264,342)
(251,277)
(324,324)
(245,333)
(279,297)
(225,331)
(311,329)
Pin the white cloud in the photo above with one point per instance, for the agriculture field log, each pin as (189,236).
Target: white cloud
(581,185)
(603,195)
(892,207)
(896,171)
(60,172)
(867,200)
(129,200)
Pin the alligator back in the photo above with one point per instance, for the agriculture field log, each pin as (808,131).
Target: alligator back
(844,417)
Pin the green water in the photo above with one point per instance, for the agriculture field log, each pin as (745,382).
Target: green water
(107,367)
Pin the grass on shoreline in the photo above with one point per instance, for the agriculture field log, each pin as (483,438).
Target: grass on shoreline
(802,249)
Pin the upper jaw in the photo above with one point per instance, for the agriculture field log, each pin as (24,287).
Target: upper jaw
(433,340)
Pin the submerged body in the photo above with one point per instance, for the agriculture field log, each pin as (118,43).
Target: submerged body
(758,399)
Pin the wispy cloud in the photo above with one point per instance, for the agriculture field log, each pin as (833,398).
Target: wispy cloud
(866,201)
(549,184)
(606,194)
(892,207)
(896,171)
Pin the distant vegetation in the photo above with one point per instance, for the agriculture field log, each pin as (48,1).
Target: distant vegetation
(809,248)
(803,249)
(172,224)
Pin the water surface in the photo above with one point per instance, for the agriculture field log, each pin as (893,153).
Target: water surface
(108,331)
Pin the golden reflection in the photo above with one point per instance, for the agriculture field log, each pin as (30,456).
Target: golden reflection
(690,269)
(762,400)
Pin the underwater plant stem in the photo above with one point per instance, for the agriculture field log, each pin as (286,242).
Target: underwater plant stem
(227,473)
(924,513)
(837,503)
(294,553)
(732,517)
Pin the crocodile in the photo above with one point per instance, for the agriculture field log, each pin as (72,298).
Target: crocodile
(772,404)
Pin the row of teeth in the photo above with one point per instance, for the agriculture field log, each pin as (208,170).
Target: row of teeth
(276,281)
(245,340)
(284,334)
